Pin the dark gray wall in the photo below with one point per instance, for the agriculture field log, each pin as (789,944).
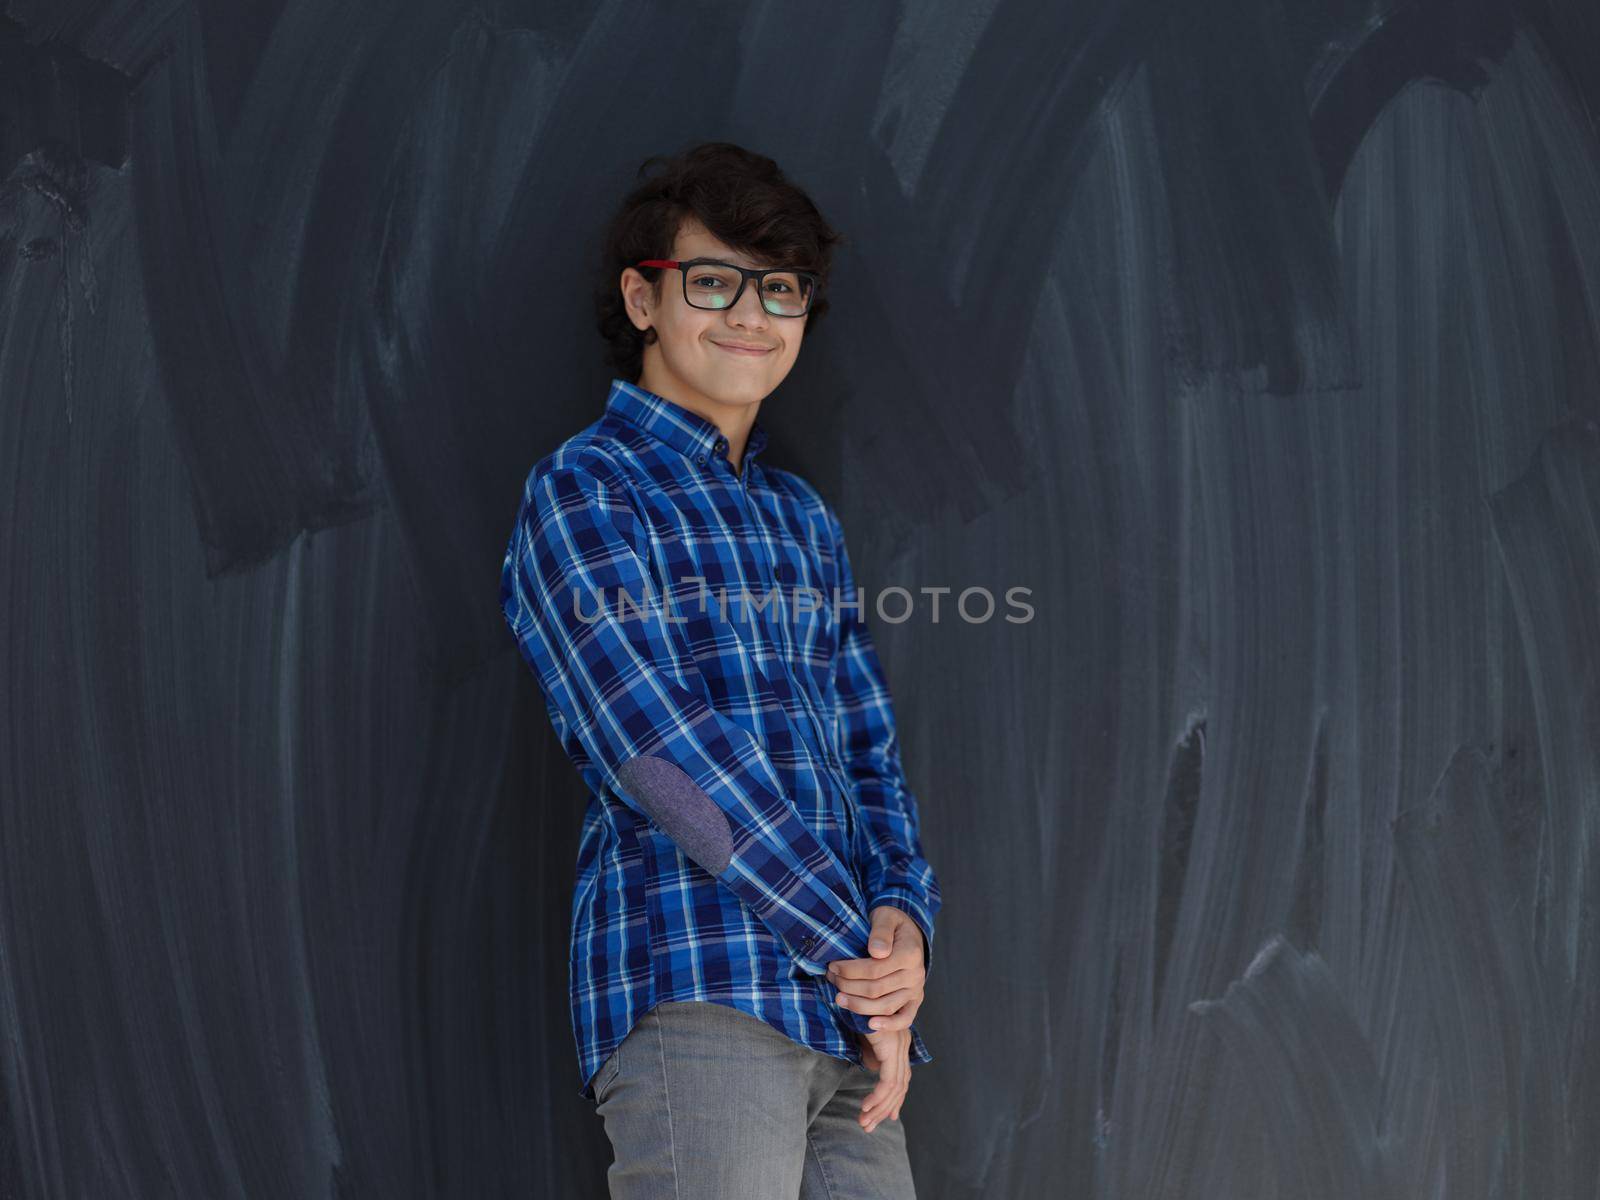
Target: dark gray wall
(1259,339)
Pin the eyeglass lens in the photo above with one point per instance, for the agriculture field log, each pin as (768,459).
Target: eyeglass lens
(783,293)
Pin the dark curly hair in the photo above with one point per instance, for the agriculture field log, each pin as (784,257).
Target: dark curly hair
(741,197)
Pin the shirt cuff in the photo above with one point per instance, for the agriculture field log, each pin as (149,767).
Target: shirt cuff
(835,940)
(843,937)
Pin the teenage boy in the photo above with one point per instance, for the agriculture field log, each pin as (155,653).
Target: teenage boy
(753,915)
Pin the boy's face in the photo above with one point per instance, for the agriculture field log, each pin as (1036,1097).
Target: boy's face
(695,355)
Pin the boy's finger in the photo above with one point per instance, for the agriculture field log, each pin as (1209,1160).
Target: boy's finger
(895,1074)
(880,1093)
(887,1003)
(892,1021)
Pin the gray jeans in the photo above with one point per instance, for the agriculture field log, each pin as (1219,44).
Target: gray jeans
(704,1102)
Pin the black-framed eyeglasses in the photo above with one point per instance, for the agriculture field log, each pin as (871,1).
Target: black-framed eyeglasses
(712,283)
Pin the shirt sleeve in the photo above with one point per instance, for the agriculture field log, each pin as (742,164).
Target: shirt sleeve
(639,710)
(891,863)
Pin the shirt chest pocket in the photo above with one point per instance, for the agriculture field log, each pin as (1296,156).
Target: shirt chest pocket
(807,605)
(815,586)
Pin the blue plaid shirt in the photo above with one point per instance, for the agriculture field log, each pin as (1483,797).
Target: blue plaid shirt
(706,622)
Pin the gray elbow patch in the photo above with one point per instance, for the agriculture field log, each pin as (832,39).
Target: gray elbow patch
(685,813)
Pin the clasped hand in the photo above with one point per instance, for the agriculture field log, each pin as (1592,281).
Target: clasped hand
(888,985)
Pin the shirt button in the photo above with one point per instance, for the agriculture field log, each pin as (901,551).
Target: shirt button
(702,458)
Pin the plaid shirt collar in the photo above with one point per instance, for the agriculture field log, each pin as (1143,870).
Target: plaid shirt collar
(687,432)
